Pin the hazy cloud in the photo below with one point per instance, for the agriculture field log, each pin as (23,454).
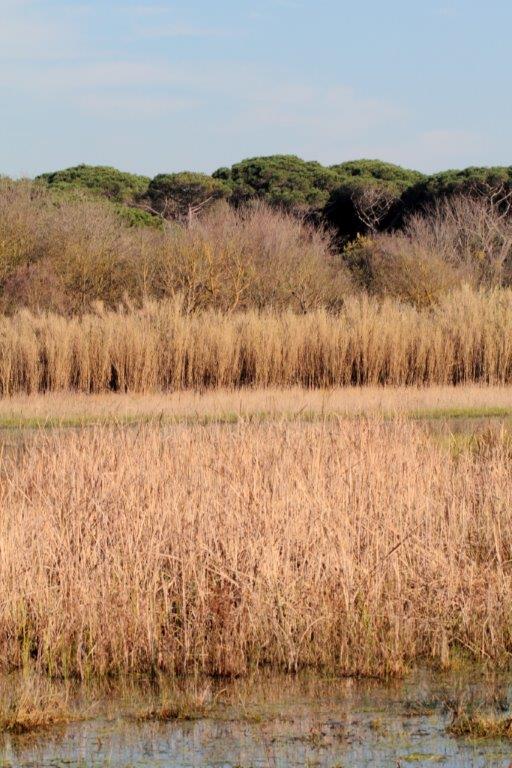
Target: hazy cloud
(445,144)
(332,112)
(433,150)
(181,30)
(136,107)
(26,33)
(446,10)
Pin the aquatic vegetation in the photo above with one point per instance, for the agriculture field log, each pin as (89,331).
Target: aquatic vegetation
(32,704)
(487,717)
(174,703)
(358,547)
(481,726)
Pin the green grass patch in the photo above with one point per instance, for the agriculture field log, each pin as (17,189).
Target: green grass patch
(460,413)
(19,422)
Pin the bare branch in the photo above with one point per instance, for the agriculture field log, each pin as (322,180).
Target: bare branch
(372,204)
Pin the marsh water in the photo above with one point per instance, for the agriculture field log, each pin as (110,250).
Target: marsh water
(281,721)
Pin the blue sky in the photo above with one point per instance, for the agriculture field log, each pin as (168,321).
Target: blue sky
(164,85)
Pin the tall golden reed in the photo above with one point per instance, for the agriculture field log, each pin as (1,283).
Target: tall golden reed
(357,547)
(465,338)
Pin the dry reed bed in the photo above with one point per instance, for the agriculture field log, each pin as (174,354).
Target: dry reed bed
(466,338)
(358,547)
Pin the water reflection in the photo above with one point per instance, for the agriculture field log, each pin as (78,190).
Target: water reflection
(276,722)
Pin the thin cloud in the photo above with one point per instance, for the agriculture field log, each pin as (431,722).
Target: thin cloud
(292,4)
(447,11)
(151,9)
(159,21)
(137,106)
(335,111)
(444,143)
(181,30)
(75,77)
(434,150)
(32,37)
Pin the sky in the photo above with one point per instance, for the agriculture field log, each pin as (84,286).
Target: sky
(155,86)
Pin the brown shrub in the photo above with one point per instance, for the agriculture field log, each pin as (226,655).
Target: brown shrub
(461,240)
(229,261)
(24,218)
(254,257)
(401,268)
(471,235)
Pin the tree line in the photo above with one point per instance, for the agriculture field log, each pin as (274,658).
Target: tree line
(274,232)
(355,198)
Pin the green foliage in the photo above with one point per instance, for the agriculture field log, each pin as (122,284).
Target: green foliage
(469,181)
(224,174)
(376,171)
(100,180)
(137,217)
(357,255)
(183,195)
(281,180)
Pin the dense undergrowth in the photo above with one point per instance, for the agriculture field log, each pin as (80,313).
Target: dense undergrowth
(63,252)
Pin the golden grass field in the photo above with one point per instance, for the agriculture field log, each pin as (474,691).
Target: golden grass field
(359,546)
(465,338)
(235,504)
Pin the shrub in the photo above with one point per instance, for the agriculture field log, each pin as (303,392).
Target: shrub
(252,257)
(471,234)
(65,254)
(400,267)
(24,221)
(458,240)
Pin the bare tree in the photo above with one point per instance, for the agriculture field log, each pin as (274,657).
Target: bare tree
(498,196)
(372,203)
(472,233)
